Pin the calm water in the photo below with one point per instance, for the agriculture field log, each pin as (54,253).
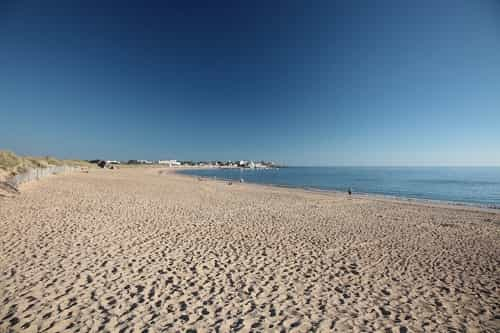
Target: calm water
(472,185)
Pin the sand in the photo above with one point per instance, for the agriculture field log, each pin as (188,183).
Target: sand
(132,250)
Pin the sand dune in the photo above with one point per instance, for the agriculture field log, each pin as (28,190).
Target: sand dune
(133,250)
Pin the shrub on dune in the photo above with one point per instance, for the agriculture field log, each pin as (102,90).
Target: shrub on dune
(13,164)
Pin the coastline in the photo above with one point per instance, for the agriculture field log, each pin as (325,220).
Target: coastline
(148,248)
(361,195)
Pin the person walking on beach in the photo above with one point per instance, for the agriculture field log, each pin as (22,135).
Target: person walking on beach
(349,191)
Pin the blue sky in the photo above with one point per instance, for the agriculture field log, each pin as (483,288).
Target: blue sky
(298,82)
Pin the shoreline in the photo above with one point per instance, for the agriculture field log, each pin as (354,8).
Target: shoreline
(142,248)
(361,195)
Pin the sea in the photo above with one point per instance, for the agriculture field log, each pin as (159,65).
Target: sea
(478,186)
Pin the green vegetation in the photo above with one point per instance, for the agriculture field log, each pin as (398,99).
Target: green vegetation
(13,164)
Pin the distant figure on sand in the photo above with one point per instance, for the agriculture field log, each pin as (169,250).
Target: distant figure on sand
(349,191)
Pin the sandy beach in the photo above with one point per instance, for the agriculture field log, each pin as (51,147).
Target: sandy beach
(133,250)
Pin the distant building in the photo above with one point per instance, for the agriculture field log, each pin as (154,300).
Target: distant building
(139,162)
(170,163)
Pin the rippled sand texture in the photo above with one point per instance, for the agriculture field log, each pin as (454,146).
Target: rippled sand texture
(135,250)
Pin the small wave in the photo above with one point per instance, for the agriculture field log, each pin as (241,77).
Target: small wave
(455,182)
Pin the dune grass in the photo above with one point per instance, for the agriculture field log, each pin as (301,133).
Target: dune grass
(14,164)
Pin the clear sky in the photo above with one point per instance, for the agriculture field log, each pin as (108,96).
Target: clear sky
(299,82)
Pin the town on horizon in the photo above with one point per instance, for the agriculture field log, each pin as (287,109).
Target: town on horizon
(248,164)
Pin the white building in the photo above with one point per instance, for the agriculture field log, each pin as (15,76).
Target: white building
(170,163)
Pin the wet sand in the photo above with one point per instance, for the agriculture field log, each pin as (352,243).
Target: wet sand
(132,250)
